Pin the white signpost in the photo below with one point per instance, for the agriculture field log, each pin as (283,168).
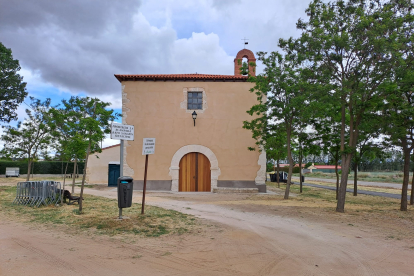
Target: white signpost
(122,132)
(148,147)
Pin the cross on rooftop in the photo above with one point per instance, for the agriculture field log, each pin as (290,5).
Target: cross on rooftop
(245,42)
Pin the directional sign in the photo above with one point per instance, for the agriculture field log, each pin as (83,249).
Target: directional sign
(148,146)
(122,132)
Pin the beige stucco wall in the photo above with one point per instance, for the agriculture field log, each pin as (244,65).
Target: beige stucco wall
(97,171)
(155,109)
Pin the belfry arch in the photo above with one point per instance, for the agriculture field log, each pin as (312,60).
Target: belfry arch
(245,53)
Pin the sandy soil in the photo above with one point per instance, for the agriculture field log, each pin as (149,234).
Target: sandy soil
(238,238)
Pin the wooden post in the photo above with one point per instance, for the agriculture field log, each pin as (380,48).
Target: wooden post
(145,184)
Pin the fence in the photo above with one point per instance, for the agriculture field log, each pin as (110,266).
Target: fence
(35,193)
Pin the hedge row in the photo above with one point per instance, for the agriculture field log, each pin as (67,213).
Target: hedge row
(44,167)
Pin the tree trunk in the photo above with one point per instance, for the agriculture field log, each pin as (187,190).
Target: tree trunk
(355,179)
(404,191)
(74,175)
(29,166)
(300,172)
(346,163)
(289,153)
(337,178)
(84,176)
(277,175)
(412,190)
(64,181)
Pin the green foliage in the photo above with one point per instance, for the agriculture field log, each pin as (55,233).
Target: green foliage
(308,164)
(283,85)
(45,167)
(244,70)
(12,87)
(351,48)
(29,137)
(79,126)
(269,166)
(286,169)
(77,122)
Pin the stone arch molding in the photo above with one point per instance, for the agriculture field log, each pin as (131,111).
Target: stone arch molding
(175,164)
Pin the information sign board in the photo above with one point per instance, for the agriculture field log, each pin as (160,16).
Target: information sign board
(122,132)
(148,146)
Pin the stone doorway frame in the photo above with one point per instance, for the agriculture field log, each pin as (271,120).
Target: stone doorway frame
(175,164)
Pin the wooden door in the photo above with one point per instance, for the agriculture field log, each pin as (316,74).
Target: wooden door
(195,173)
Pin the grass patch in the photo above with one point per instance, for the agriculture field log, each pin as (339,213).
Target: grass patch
(99,215)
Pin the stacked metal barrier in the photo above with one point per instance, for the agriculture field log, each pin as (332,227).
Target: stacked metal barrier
(35,193)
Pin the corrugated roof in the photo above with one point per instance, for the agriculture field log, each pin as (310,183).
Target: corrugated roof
(180,77)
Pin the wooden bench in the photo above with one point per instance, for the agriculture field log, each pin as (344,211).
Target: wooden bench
(72,199)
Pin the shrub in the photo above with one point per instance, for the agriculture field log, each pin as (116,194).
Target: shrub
(43,167)
(269,167)
(286,169)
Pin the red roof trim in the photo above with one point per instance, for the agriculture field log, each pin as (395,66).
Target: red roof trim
(182,77)
(117,145)
(326,166)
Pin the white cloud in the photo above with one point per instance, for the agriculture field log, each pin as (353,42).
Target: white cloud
(78,46)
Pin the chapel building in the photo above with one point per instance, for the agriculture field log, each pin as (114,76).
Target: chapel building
(206,154)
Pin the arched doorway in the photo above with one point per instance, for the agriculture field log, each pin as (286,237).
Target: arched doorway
(194,175)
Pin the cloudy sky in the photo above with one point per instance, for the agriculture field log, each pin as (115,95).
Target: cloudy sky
(74,47)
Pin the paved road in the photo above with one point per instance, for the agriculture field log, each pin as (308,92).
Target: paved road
(397,196)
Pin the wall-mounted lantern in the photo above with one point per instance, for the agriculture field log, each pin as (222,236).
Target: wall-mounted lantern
(194,116)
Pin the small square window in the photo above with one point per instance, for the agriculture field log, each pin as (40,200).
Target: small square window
(195,100)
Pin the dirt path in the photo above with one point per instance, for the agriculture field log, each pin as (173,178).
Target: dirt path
(236,241)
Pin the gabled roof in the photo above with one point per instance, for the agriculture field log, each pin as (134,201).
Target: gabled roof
(181,77)
(117,145)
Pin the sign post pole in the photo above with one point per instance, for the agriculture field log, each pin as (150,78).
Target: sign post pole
(145,184)
(122,132)
(121,169)
(148,147)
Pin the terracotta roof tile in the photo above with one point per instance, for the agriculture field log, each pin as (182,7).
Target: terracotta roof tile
(326,167)
(180,77)
(117,145)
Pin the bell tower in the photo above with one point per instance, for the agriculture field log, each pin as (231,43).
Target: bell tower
(245,53)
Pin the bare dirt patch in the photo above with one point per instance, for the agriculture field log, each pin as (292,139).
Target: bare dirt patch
(240,235)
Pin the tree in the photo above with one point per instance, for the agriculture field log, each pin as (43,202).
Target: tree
(412,185)
(70,134)
(87,121)
(306,147)
(348,44)
(397,90)
(366,146)
(276,147)
(29,137)
(282,84)
(327,125)
(12,87)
